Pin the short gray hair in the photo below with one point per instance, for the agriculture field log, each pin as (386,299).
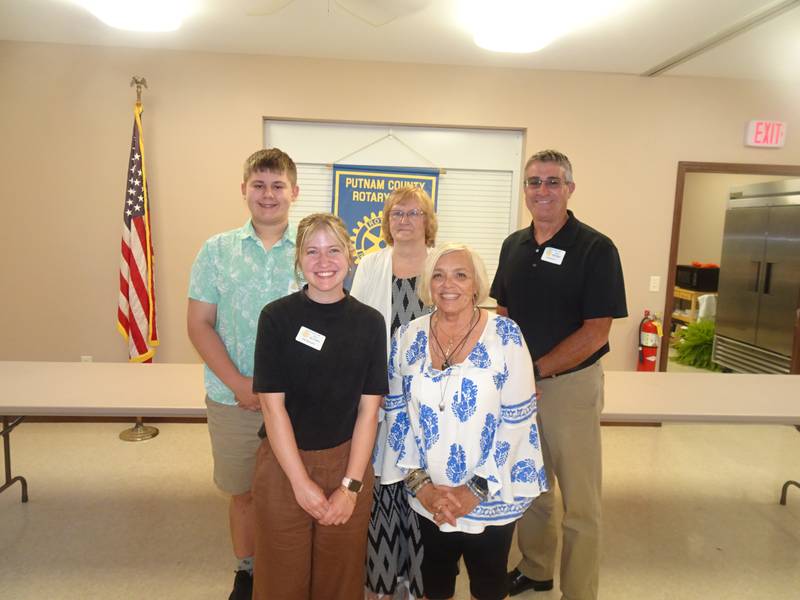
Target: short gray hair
(481,277)
(553,156)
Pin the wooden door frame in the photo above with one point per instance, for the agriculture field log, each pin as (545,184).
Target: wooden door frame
(685,167)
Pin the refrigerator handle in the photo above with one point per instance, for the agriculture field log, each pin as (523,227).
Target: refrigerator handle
(768,277)
(757,280)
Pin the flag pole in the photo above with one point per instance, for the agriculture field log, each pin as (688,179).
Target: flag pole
(139,432)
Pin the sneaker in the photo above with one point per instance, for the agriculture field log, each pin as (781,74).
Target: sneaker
(242,586)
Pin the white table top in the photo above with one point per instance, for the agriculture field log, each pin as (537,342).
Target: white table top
(102,389)
(710,397)
(176,390)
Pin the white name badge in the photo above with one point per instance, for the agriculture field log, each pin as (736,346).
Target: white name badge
(310,338)
(553,255)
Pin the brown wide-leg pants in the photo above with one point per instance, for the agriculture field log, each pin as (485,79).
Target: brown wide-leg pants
(296,558)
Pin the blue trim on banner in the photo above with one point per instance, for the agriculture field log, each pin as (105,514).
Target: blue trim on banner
(359,193)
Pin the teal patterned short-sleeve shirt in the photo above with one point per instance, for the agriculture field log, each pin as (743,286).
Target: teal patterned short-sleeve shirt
(235,272)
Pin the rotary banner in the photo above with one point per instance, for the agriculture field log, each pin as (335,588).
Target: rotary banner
(359,194)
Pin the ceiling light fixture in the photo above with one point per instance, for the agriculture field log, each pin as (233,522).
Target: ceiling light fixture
(524,26)
(139,15)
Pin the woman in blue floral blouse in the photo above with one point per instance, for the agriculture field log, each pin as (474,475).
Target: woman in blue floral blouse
(461,427)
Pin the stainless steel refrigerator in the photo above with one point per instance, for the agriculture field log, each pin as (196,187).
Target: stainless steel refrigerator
(759,278)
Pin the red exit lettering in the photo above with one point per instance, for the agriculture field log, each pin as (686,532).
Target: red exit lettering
(770,134)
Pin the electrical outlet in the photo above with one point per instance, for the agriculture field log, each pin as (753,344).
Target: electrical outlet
(86,358)
(655,283)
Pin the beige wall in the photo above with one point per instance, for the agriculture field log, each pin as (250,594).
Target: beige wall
(66,121)
(705,198)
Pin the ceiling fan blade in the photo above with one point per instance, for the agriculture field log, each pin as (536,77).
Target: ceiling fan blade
(262,8)
(380,12)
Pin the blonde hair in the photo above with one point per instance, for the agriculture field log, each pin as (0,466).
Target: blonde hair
(312,223)
(411,192)
(481,277)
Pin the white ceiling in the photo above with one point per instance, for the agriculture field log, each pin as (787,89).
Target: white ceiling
(641,36)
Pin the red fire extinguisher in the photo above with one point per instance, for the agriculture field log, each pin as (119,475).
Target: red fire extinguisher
(649,334)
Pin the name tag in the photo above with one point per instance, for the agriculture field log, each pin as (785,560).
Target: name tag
(553,255)
(310,338)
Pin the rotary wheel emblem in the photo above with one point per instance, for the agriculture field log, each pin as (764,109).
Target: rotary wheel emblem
(367,238)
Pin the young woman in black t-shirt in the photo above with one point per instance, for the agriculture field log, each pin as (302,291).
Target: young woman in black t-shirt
(320,372)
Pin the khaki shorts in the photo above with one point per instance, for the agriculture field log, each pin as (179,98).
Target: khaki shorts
(234,444)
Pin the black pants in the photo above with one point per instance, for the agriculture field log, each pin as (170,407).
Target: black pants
(485,556)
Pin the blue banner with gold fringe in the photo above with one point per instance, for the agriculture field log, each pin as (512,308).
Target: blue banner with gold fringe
(360,192)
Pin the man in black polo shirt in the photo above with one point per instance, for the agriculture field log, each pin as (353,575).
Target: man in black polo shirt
(561,281)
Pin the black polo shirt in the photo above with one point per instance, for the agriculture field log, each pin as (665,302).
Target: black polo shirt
(550,301)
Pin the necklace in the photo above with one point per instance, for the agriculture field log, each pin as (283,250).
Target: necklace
(450,352)
(443,390)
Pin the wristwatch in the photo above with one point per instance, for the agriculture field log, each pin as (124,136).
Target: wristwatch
(352,485)
(479,487)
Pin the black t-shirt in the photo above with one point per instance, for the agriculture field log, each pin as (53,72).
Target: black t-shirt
(551,301)
(323,386)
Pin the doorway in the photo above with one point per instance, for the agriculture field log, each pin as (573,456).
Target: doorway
(685,169)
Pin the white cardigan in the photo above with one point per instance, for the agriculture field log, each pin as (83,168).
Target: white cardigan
(372,285)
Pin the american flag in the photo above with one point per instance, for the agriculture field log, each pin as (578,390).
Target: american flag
(136,314)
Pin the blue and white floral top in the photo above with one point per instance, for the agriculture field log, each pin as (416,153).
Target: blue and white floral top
(474,418)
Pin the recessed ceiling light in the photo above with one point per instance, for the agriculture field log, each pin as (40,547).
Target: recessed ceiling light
(140,15)
(523,26)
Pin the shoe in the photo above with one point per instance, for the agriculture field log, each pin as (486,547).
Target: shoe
(518,583)
(242,586)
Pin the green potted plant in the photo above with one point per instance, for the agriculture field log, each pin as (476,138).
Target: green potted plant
(693,344)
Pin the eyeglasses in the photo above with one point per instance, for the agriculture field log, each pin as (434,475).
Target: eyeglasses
(413,214)
(550,183)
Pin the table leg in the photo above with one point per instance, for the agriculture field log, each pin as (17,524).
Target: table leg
(785,489)
(8,426)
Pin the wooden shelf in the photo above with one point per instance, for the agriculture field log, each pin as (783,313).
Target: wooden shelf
(683,318)
(690,296)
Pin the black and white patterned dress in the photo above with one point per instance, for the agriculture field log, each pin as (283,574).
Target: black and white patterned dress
(394,548)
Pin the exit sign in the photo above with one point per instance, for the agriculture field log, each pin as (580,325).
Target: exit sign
(765,134)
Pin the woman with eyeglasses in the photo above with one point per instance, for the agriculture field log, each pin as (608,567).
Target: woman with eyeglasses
(387,281)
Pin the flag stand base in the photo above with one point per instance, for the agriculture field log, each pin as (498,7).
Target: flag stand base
(139,432)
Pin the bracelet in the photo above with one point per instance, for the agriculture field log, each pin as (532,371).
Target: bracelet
(420,485)
(479,487)
(350,494)
(414,477)
(416,480)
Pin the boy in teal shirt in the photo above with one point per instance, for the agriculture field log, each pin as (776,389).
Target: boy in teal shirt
(235,274)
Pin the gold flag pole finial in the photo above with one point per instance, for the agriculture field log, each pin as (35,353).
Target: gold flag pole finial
(139,82)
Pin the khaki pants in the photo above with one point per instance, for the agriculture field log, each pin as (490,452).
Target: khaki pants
(297,558)
(569,422)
